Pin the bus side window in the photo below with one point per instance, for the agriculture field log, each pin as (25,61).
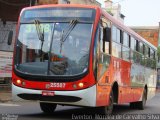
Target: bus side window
(114,33)
(132,45)
(106,40)
(147,56)
(104,50)
(125,47)
(106,36)
(96,53)
(116,42)
(119,36)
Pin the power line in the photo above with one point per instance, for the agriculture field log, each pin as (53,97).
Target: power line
(13,4)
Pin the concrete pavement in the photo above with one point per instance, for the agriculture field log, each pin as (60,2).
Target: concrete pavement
(32,111)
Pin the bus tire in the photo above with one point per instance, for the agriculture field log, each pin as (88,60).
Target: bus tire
(133,105)
(107,110)
(48,107)
(141,104)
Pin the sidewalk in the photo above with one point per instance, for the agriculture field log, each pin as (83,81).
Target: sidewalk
(5,93)
(158,90)
(5,96)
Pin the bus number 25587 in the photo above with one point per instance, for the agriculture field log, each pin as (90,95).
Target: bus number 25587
(57,85)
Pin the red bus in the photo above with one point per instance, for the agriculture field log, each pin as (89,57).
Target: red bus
(80,55)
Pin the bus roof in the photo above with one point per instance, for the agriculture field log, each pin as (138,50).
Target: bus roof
(127,29)
(62,5)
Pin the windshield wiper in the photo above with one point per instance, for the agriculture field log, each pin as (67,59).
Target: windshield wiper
(40,33)
(67,31)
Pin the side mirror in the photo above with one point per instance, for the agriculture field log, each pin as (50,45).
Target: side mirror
(10,35)
(107,35)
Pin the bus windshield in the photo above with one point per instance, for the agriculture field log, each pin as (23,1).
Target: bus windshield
(54,55)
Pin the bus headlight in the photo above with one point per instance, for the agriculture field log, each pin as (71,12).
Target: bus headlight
(19,82)
(81,85)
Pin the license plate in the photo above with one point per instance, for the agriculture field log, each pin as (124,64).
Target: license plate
(47,93)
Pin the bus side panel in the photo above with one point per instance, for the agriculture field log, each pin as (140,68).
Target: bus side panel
(141,76)
(104,86)
(137,80)
(137,93)
(121,75)
(150,79)
(118,71)
(103,92)
(126,94)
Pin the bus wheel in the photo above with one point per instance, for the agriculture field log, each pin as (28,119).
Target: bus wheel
(141,104)
(109,109)
(48,107)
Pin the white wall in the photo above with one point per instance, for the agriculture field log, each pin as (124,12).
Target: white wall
(4,30)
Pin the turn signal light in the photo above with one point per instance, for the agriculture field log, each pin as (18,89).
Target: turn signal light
(80,85)
(74,86)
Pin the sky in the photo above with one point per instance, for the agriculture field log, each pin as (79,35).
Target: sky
(139,12)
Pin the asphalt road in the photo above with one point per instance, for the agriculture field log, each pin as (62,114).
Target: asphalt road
(31,111)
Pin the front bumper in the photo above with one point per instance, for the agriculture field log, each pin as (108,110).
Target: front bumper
(85,97)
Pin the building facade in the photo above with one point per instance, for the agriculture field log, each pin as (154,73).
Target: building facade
(114,10)
(150,33)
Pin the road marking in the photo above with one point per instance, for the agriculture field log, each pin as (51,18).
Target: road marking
(9,105)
